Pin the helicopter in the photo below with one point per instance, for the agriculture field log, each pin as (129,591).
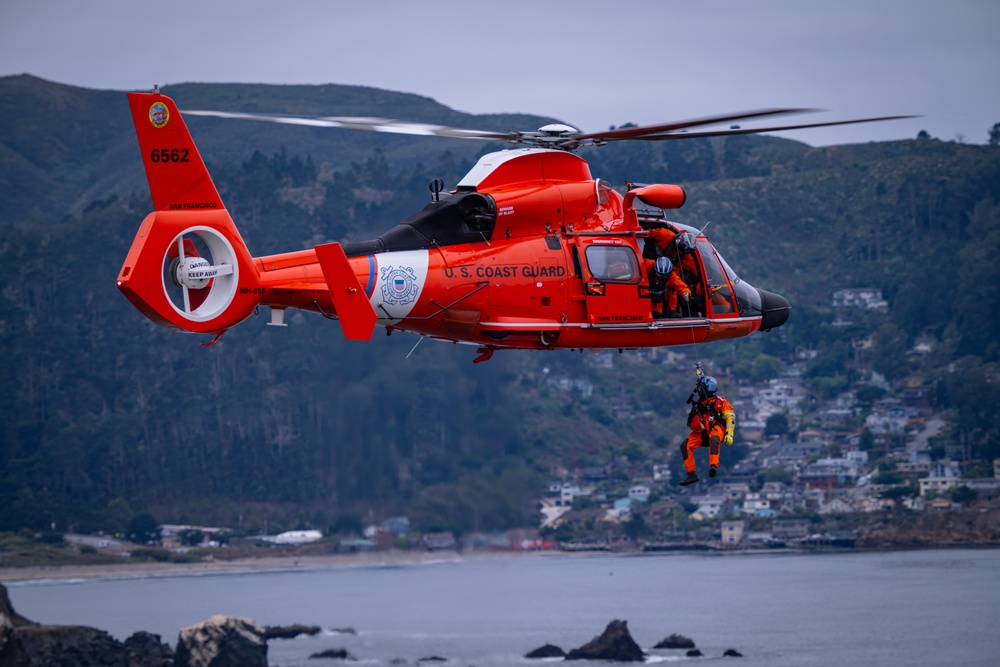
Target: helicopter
(529,251)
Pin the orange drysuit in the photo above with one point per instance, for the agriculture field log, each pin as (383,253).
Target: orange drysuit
(711,421)
(671,285)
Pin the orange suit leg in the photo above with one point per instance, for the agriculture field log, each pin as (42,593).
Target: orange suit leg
(671,299)
(715,444)
(692,443)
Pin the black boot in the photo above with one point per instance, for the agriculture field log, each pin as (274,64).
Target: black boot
(690,479)
(711,471)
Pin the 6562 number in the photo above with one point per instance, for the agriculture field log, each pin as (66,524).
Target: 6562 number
(169,155)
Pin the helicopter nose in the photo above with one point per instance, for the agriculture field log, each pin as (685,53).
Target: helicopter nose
(775,309)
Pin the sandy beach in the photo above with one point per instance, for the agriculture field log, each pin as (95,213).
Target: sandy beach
(128,570)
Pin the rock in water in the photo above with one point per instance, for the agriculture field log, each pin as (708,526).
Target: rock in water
(290,631)
(614,644)
(335,653)
(694,653)
(144,649)
(547,651)
(222,641)
(732,653)
(676,641)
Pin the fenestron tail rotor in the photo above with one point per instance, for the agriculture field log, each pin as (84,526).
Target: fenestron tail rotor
(200,273)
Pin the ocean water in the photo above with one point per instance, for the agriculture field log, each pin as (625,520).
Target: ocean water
(913,608)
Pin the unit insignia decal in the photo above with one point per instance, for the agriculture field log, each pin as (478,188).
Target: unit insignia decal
(159,114)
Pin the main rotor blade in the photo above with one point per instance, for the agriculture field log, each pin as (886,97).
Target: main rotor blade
(636,132)
(668,136)
(362,123)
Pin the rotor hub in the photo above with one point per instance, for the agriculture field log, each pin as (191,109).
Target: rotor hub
(194,272)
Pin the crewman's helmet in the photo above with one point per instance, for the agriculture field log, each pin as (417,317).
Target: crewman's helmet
(686,243)
(663,266)
(708,387)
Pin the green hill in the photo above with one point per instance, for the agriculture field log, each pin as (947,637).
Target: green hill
(64,147)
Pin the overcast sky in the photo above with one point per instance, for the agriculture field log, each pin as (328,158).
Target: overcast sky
(590,63)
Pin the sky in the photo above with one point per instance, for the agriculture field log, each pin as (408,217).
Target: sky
(589,63)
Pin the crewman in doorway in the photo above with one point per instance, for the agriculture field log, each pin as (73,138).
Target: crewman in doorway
(664,285)
(712,422)
(679,248)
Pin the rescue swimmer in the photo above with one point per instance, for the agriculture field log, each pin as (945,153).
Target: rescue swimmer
(712,421)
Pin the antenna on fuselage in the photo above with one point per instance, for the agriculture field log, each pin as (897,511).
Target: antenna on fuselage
(436,186)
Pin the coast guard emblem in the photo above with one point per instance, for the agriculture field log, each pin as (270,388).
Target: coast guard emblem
(399,285)
(159,114)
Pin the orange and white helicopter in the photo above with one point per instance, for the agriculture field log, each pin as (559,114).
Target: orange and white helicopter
(529,251)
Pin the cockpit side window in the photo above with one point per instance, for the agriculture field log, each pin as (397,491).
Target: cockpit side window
(612,263)
(719,292)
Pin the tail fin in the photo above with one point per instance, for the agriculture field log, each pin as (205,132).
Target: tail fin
(357,317)
(178,178)
(188,268)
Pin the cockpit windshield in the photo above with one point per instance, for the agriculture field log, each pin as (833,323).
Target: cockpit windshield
(747,298)
(733,278)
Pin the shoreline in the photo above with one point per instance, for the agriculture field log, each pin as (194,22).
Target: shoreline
(125,570)
(305,563)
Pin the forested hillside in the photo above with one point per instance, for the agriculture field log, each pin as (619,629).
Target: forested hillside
(105,415)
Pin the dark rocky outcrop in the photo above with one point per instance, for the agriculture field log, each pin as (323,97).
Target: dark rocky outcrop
(222,641)
(335,653)
(732,653)
(66,645)
(11,648)
(24,643)
(676,641)
(289,631)
(433,658)
(218,642)
(615,643)
(144,649)
(694,653)
(547,651)
(9,617)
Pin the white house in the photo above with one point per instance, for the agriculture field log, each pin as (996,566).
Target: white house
(732,532)
(294,537)
(754,503)
(639,492)
(566,492)
(944,476)
(661,472)
(710,506)
(868,298)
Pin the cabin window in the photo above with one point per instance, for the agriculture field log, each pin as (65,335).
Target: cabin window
(615,264)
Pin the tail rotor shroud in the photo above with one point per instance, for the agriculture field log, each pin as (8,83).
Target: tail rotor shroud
(200,284)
